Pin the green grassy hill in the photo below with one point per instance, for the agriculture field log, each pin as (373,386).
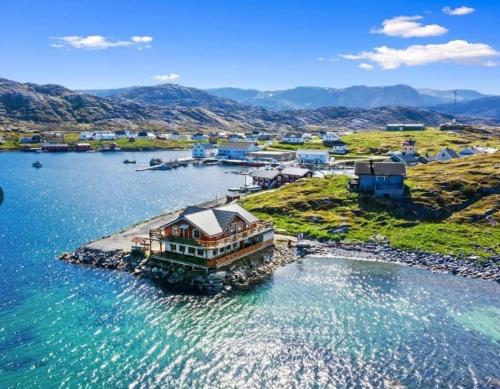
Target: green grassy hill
(449,208)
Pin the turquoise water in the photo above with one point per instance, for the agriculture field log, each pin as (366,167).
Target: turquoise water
(321,322)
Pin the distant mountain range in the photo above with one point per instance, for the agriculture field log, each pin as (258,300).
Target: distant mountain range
(353,97)
(487,108)
(171,106)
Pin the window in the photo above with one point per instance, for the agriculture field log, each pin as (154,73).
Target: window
(228,248)
(173,247)
(175,231)
(182,249)
(191,250)
(222,249)
(235,245)
(200,252)
(215,251)
(196,234)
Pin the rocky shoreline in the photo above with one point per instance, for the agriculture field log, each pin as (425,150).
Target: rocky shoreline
(465,267)
(257,267)
(241,274)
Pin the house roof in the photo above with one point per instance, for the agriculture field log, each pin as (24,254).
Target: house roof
(214,221)
(452,153)
(380,168)
(295,171)
(206,145)
(236,145)
(268,174)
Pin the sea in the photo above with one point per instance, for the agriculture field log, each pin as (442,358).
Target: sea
(322,322)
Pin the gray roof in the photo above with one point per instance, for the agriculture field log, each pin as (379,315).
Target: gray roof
(380,168)
(295,171)
(207,145)
(236,145)
(451,152)
(269,174)
(214,221)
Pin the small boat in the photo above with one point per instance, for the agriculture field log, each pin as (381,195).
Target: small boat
(129,161)
(37,164)
(155,161)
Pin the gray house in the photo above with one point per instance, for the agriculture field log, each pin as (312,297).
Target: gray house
(380,178)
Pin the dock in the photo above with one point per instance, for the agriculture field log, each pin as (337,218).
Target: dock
(168,165)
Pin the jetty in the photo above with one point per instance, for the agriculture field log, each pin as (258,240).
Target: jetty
(168,165)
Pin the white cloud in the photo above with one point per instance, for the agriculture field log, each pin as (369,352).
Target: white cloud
(365,66)
(408,27)
(99,42)
(459,11)
(457,51)
(166,77)
(320,59)
(142,39)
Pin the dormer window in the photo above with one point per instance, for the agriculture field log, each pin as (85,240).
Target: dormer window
(196,234)
(175,231)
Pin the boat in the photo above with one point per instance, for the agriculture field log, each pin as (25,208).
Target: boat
(37,164)
(155,161)
(109,148)
(234,189)
(250,188)
(129,161)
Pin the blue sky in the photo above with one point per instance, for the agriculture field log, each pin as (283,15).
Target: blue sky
(252,44)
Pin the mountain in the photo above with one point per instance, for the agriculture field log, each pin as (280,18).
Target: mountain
(486,107)
(176,107)
(355,97)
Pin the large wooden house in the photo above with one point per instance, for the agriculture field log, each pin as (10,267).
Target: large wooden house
(211,237)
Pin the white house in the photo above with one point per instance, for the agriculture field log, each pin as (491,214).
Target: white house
(235,137)
(446,154)
(205,150)
(293,139)
(175,135)
(313,157)
(330,137)
(236,150)
(85,135)
(199,136)
(146,135)
(307,136)
(409,146)
(339,147)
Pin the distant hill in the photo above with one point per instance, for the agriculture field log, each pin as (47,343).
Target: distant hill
(176,107)
(353,97)
(486,107)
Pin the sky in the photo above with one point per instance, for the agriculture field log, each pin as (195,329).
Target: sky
(266,45)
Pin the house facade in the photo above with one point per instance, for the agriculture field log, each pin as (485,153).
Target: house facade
(405,127)
(339,147)
(267,179)
(236,150)
(211,237)
(293,139)
(383,179)
(313,157)
(445,155)
(292,174)
(205,150)
(409,146)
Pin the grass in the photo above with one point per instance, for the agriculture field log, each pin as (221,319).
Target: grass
(362,144)
(444,210)
(72,138)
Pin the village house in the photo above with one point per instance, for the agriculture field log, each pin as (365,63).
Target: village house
(82,147)
(409,146)
(205,150)
(198,136)
(30,139)
(405,127)
(236,150)
(385,179)
(213,137)
(339,147)
(307,136)
(408,154)
(329,137)
(469,151)
(235,137)
(210,238)
(271,156)
(446,154)
(143,134)
(267,178)
(292,139)
(265,136)
(292,174)
(313,157)
(175,135)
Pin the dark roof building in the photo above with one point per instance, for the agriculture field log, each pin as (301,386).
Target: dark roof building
(380,178)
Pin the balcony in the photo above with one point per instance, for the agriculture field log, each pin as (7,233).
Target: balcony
(260,227)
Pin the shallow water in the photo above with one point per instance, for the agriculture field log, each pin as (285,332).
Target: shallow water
(316,323)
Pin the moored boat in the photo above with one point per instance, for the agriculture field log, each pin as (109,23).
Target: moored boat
(37,164)
(129,161)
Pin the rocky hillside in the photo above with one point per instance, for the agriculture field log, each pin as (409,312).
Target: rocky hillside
(176,107)
(353,97)
(487,107)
